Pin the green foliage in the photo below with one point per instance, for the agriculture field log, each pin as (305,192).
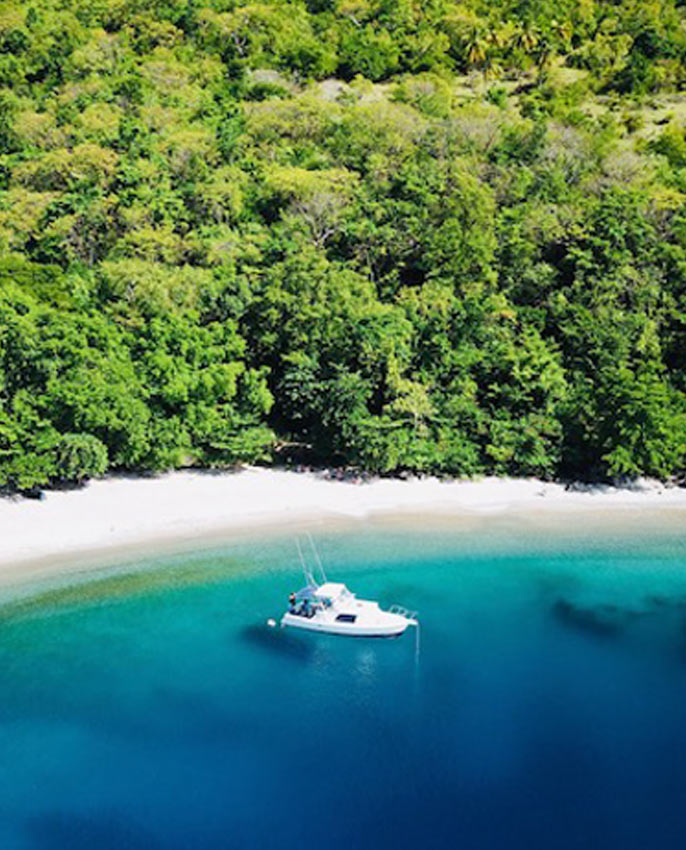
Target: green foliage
(671,143)
(443,237)
(78,457)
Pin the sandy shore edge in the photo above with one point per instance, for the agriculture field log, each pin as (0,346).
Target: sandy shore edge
(117,517)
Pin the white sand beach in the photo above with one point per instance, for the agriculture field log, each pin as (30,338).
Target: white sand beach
(122,513)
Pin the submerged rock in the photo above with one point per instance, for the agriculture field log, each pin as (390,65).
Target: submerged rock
(602,620)
(675,603)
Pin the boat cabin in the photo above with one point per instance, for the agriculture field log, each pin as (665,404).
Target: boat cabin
(315,598)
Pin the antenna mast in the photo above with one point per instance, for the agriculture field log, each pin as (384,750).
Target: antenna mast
(317,558)
(309,578)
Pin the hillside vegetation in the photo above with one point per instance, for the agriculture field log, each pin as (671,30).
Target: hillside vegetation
(429,236)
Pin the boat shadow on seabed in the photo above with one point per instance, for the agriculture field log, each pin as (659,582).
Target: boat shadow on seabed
(279,642)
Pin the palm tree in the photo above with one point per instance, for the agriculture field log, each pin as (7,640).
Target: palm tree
(562,30)
(476,46)
(527,37)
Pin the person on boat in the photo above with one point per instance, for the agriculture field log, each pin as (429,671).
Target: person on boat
(291,602)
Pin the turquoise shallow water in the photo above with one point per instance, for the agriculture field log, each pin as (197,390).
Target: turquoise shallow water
(152,708)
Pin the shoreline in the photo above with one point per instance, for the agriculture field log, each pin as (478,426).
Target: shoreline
(113,520)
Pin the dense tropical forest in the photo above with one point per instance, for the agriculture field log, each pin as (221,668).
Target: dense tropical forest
(402,235)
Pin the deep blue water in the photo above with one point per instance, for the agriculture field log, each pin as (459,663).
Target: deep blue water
(546,709)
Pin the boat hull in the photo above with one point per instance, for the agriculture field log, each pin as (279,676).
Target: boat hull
(393,628)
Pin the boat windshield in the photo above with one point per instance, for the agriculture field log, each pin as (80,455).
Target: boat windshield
(332,591)
(305,603)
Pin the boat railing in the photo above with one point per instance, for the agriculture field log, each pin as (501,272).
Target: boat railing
(401,611)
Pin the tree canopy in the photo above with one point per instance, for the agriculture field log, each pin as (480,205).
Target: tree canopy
(429,236)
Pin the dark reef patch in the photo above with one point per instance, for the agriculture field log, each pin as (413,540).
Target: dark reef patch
(599,621)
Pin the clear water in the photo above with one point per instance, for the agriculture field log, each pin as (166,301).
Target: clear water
(547,707)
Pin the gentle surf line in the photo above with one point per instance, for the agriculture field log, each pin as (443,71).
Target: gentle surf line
(120,514)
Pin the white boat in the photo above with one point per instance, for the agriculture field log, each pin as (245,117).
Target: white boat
(330,607)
